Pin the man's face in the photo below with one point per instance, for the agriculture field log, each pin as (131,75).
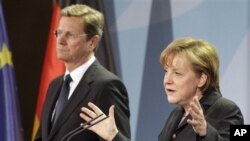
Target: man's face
(72,44)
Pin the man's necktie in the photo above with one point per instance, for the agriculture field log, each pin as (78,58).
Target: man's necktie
(62,98)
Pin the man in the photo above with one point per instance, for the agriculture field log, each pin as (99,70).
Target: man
(85,80)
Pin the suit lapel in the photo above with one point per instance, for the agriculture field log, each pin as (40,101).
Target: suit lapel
(184,122)
(171,125)
(50,105)
(79,94)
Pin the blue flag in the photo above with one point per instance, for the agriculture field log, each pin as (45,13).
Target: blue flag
(10,122)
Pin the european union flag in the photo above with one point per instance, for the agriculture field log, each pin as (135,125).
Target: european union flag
(10,123)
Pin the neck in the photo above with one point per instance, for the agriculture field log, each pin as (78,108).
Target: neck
(70,66)
(187,105)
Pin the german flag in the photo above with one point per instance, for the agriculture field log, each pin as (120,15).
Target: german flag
(52,68)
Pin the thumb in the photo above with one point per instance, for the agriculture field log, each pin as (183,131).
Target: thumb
(112,111)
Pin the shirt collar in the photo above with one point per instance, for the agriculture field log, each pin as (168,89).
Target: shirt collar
(77,73)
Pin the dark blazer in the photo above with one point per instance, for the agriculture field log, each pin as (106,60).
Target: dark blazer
(98,86)
(219,112)
(120,137)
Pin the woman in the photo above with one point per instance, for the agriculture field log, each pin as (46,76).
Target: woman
(191,82)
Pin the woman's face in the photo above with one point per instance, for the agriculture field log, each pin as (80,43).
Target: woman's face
(181,83)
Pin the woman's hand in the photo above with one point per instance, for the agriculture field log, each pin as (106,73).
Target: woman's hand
(198,121)
(107,128)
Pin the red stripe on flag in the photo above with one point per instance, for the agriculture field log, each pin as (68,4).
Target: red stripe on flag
(52,67)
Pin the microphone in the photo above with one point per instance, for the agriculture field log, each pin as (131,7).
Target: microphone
(83,126)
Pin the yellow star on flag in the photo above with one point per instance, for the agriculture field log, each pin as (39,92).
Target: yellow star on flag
(5,56)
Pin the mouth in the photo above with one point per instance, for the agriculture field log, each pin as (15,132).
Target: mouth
(169,91)
(61,49)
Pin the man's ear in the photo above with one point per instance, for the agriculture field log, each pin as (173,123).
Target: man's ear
(94,41)
(203,80)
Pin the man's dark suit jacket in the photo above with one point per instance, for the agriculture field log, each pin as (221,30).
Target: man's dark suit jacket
(219,112)
(98,86)
(120,137)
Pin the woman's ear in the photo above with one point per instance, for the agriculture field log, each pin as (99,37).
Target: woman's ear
(203,80)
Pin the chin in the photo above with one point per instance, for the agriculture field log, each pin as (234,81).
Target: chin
(172,100)
(61,57)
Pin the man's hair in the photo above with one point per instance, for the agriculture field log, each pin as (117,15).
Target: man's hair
(201,54)
(93,19)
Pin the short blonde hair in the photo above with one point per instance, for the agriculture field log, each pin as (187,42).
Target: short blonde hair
(93,19)
(201,54)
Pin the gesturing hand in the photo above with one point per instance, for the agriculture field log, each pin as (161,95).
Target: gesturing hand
(107,128)
(198,121)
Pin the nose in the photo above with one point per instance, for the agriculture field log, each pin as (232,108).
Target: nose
(60,35)
(167,78)
(61,38)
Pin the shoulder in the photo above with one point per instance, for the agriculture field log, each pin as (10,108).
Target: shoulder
(226,104)
(215,102)
(56,80)
(101,74)
(226,110)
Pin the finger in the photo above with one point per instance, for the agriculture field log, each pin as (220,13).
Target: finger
(112,111)
(196,101)
(95,108)
(195,105)
(191,122)
(85,117)
(88,112)
(195,108)
(194,115)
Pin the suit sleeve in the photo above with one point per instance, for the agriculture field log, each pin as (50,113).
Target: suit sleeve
(115,93)
(227,114)
(120,137)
